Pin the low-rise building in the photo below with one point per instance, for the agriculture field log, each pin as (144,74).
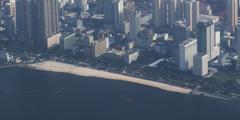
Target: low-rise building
(68,41)
(131,56)
(53,41)
(126,56)
(114,54)
(98,48)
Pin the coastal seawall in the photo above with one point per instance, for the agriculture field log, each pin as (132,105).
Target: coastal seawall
(87,72)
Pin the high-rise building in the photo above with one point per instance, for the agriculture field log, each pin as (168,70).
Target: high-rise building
(11,8)
(238,61)
(232,14)
(179,10)
(174,11)
(11,27)
(181,33)
(237,37)
(196,13)
(129,6)
(126,27)
(135,24)
(205,9)
(206,38)
(38,23)
(10,17)
(191,13)
(145,38)
(166,12)
(159,13)
(204,35)
(200,64)
(118,15)
(187,50)
(108,10)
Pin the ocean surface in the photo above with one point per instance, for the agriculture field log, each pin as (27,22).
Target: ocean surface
(37,95)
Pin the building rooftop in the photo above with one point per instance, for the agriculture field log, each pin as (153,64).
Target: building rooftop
(188,42)
(213,19)
(98,16)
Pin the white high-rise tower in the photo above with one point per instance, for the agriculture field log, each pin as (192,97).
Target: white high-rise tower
(191,13)
(232,14)
(159,13)
(135,24)
(118,14)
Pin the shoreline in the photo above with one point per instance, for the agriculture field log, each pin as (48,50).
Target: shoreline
(60,67)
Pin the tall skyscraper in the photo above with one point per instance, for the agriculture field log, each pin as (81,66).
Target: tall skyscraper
(179,9)
(238,61)
(232,14)
(159,13)
(11,8)
(196,13)
(118,14)
(206,38)
(205,9)
(187,51)
(181,31)
(10,17)
(237,37)
(38,23)
(135,24)
(166,12)
(191,13)
(108,10)
(174,11)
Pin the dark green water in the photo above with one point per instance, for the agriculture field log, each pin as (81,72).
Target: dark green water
(37,95)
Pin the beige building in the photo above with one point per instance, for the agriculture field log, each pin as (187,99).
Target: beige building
(131,56)
(98,48)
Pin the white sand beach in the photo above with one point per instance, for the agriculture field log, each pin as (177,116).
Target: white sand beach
(87,72)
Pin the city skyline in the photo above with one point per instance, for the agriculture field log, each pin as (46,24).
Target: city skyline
(182,46)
